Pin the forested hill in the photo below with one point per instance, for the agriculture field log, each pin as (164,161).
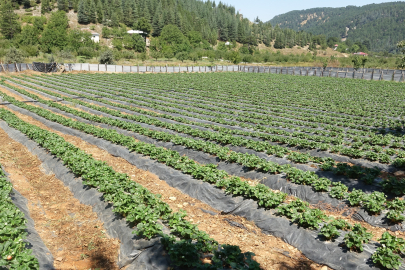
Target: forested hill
(383,25)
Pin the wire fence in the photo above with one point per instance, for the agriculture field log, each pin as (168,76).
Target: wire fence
(350,73)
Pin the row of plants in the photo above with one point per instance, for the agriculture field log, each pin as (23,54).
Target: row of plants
(365,140)
(171,94)
(14,253)
(358,172)
(367,175)
(358,147)
(124,194)
(212,106)
(136,203)
(251,161)
(373,203)
(335,131)
(128,82)
(276,118)
(302,92)
(259,146)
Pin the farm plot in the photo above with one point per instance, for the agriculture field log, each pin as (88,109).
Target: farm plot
(316,162)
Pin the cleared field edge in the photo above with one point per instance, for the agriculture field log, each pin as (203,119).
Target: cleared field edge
(114,224)
(33,240)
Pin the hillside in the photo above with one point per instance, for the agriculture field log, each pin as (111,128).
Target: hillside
(383,25)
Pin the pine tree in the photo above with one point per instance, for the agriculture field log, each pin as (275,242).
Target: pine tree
(100,12)
(135,13)
(82,12)
(114,20)
(158,21)
(127,11)
(117,9)
(45,7)
(75,5)
(91,15)
(63,5)
(9,24)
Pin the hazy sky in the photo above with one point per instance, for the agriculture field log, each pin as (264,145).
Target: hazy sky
(267,9)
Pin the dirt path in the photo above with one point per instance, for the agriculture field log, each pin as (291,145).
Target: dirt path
(70,230)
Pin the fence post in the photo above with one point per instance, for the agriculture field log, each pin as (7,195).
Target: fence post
(115,68)
(130,69)
(137,69)
(205,68)
(98,67)
(179,68)
(80,66)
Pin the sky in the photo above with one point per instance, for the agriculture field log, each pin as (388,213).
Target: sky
(267,9)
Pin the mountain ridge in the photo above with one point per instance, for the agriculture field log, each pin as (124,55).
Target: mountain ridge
(383,25)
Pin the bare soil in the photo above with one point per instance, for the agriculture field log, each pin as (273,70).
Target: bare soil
(70,230)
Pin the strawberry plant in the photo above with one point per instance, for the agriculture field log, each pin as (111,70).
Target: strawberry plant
(338,190)
(321,184)
(386,258)
(394,243)
(355,239)
(329,231)
(374,202)
(341,224)
(356,197)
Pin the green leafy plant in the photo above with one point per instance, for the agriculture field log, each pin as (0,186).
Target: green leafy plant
(355,239)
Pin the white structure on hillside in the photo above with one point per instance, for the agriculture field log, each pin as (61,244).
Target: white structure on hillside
(139,32)
(95,37)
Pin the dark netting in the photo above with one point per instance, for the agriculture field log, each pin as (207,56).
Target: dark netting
(45,67)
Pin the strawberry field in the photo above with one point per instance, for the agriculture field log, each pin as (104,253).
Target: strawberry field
(317,163)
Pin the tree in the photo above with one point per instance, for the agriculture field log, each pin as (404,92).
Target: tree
(45,7)
(28,36)
(168,52)
(107,57)
(172,34)
(63,5)
(195,38)
(155,54)
(14,56)
(82,13)
(359,61)
(143,56)
(158,21)
(9,24)
(182,56)
(401,47)
(139,44)
(92,17)
(234,57)
(144,25)
(194,57)
(100,12)
(117,43)
(55,32)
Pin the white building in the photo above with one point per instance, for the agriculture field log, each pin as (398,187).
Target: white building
(136,32)
(95,37)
